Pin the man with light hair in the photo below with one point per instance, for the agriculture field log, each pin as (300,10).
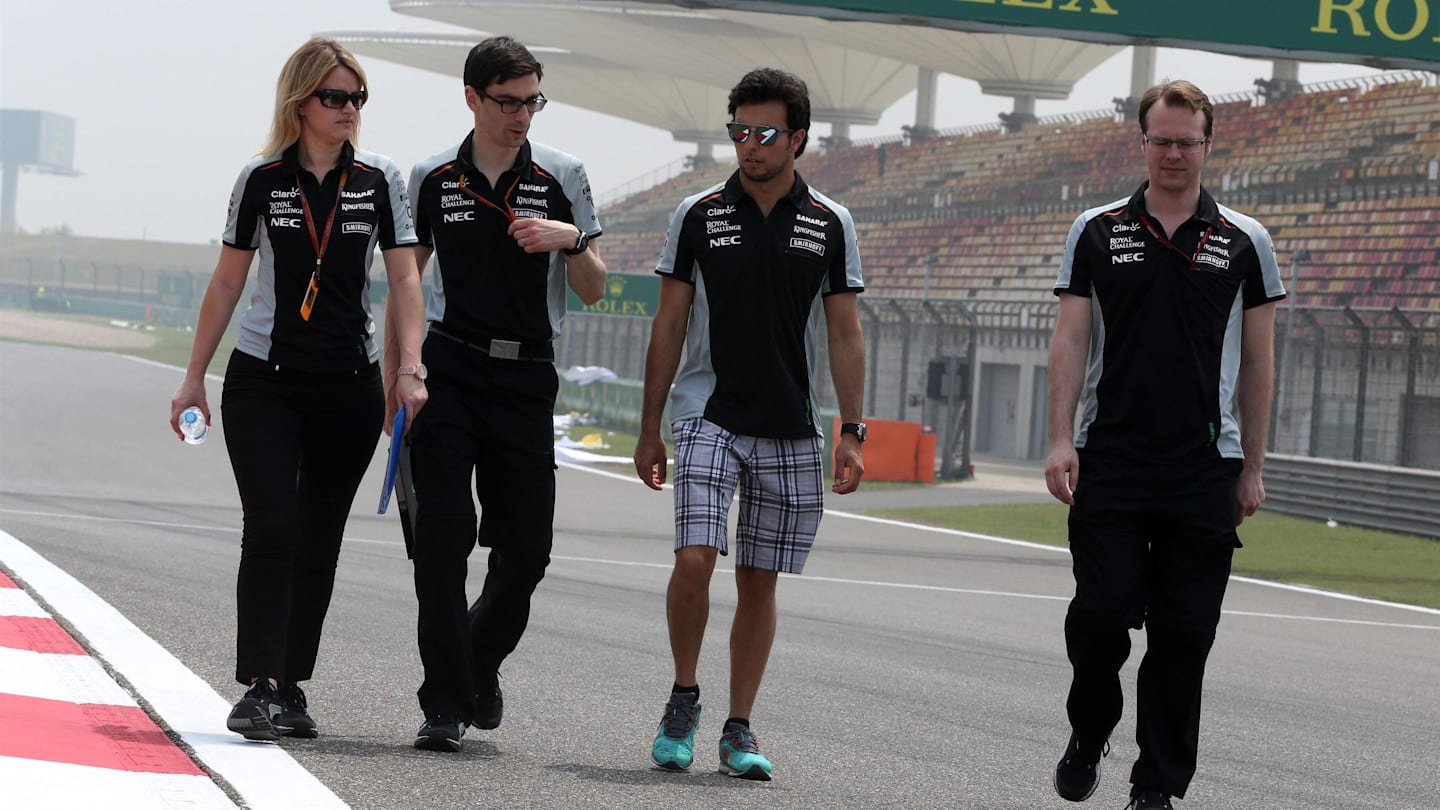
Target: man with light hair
(1172,297)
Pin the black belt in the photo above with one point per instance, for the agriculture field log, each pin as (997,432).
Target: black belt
(539,350)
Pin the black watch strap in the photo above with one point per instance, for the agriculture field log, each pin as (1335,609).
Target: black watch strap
(581,243)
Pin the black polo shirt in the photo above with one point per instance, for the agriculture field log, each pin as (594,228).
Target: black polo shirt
(485,285)
(1166,326)
(266,215)
(750,347)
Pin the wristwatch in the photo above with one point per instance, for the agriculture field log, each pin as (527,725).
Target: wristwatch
(418,370)
(581,242)
(856,428)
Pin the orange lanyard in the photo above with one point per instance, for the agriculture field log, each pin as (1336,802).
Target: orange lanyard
(320,244)
(507,210)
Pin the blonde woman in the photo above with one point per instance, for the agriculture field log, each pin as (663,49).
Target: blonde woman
(303,403)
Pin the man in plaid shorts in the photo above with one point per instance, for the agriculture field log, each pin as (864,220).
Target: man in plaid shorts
(749,267)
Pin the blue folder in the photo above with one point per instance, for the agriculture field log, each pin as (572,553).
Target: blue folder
(397,433)
(397,482)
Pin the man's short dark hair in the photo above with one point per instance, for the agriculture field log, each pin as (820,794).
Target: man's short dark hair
(500,59)
(763,85)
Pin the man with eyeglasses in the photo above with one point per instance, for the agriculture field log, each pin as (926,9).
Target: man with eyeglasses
(748,268)
(511,223)
(1172,298)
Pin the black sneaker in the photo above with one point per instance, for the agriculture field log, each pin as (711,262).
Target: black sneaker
(440,732)
(253,717)
(489,701)
(294,719)
(1078,772)
(1147,799)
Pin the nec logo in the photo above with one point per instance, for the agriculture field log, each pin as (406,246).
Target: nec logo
(722,241)
(1127,258)
(284,222)
(460,216)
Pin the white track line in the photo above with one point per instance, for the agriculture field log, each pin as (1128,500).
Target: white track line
(876,583)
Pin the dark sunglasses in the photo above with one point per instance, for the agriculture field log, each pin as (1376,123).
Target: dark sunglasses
(335,99)
(740,133)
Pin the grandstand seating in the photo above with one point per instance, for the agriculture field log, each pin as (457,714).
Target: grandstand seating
(1347,171)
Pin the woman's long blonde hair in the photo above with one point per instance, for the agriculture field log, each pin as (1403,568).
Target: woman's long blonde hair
(301,76)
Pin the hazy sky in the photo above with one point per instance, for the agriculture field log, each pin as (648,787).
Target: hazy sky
(172,97)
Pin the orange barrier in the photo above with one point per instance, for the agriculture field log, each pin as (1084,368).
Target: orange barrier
(897,451)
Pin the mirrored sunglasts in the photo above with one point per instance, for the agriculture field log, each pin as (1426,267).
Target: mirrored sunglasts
(510,106)
(741,133)
(335,99)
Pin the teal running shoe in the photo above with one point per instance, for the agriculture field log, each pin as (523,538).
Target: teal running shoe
(674,747)
(740,755)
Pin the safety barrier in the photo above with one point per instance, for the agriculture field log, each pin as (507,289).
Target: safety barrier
(1399,499)
(896,451)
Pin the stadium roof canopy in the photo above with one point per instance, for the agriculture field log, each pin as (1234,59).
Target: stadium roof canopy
(692,111)
(846,86)
(855,71)
(1003,64)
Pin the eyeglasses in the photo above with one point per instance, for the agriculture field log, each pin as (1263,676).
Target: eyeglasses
(335,99)
(740,133)
(1186,145)
(510,106)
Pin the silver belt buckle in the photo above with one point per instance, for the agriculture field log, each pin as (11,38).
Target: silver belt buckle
(505,349)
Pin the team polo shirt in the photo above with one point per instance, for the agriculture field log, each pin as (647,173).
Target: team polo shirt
(759,281)
(266,215)
(485,285)
(1166,319)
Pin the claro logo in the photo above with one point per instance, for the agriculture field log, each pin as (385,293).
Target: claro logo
(1127,258)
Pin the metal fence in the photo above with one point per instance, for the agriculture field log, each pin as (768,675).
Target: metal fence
(1357,385)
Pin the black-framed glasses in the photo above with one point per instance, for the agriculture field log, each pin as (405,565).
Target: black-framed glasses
(741,133)
(336,99)
(1186,145)
(510,106)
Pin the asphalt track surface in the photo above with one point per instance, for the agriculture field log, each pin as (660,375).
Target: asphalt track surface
(912,668)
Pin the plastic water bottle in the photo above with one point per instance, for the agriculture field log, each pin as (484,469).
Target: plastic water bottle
(192,425)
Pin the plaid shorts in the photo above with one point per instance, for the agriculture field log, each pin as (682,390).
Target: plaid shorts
(781,497)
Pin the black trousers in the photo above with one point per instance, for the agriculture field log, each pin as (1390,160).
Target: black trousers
(299,443)
(488,420)
(1152,547)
